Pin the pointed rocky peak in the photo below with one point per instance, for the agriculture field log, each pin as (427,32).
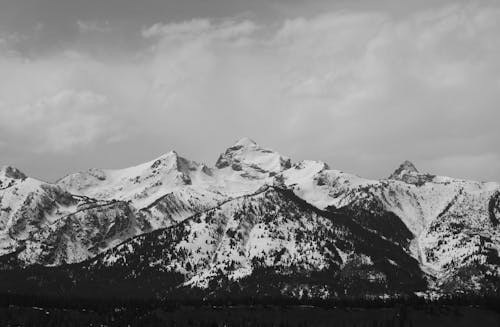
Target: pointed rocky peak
(408,173)
(245,142)
(173,162)
(407,167)
(12,173)
(247,155)
(169,159)
(242,145)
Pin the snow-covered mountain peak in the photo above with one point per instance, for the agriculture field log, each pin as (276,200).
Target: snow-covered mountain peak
(246,155)
(172,154)
(141,184)
(11,173)
(10,176)
(245,142)
(408,173)
(173,161)
(407,167)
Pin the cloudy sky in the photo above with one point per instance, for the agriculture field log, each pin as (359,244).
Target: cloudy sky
(362,85)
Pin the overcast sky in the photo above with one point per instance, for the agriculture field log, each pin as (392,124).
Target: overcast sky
(362,85)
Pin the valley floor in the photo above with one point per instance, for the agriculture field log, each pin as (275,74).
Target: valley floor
(425,315)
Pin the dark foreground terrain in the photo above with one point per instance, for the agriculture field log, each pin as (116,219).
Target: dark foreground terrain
(427,315)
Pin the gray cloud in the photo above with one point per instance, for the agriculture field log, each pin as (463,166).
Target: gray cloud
(361,89)
(62,122)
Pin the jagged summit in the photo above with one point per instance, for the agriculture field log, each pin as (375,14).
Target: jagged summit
(408,173)
(12,173)
(405,167)
(246,155)
(245,142)
(172,161)
(141,184)
(169,154)
(10,176)
(408,166)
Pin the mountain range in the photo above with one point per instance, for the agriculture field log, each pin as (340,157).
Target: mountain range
(256,223)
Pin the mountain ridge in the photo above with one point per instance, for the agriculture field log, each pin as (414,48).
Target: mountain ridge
(448,226)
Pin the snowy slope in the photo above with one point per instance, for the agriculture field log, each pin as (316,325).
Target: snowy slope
(253,160)
(428,205)
(241,169)
(139,199)
(171,188)
(141,184)
(270,229)
(449,226)
(27,204)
